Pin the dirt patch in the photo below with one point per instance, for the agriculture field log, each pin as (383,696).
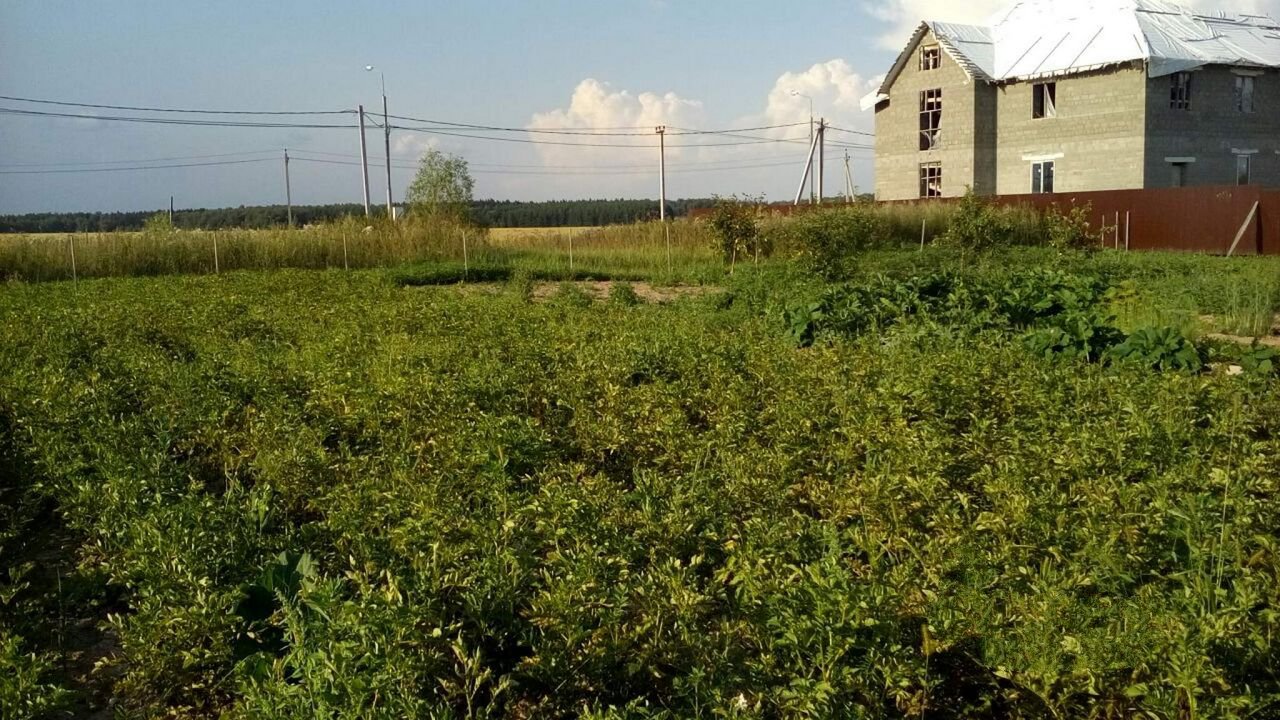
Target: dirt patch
(1271,339)
(600,289)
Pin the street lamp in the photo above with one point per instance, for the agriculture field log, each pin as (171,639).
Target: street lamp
(797,93)
(386,133)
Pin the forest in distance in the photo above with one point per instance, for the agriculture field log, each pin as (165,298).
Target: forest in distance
(489,213)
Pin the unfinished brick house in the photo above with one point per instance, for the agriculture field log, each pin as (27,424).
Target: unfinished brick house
(1069,97)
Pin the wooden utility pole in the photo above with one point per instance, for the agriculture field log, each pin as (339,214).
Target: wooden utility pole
(822,157)
(364,163)
(662,172)
(288,193)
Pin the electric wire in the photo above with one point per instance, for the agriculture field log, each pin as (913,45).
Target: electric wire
(175,110)
(129,169)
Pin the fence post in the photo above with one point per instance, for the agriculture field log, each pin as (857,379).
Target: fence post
(464,256)
(922,226)
(74,277)
(571,255)
(344,249)
(1126,230)
(216,269)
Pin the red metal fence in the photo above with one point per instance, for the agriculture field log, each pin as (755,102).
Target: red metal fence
(1194,219)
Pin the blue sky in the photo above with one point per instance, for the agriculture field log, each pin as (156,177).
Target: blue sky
(519,63)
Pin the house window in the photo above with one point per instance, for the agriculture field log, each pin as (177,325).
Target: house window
(930,118)
(1179,174)
(931,180)
(1180,91)
(930,57)
(1044,100)
(1042,177)
(1244,169)
(1244,93)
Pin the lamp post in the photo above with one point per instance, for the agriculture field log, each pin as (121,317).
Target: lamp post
(386,134)
(797,93)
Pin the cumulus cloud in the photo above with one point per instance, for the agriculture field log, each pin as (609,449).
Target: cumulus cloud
(596,104)
(904,15)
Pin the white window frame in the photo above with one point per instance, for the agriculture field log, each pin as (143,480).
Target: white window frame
(923,177)
(1248,168)
(930,57)
(931,107)
(1046,95)
(1052,164)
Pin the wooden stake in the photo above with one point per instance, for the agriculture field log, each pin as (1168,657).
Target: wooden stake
(1247,221)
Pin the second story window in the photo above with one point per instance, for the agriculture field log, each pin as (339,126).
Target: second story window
(1244,93)
(930,57)
(930,118)
(1180,91)
(1044,100)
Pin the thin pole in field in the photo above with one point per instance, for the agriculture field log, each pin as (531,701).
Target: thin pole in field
(344,250)
(570,254)
(386,134)
(288,193)
(923,223)
(364,164)
(666,228)
(1126,231)
(662,172)
(216,269)
(74,274)
(848,179)
(464,256)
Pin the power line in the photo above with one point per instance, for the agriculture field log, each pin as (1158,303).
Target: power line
(605,132)
(127,169)
(173,121)
(585,173)
(135,162)
(634,146)
(174,110)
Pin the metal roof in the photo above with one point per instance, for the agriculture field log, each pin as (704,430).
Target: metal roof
(1044,38)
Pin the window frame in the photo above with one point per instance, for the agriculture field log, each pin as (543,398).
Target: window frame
(928,191)
(1245,159)
(1052,165)
(930,119)
(1044,100)
(1180,91)
(1246,90)
(930,57)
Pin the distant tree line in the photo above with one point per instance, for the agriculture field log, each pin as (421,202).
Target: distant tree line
(490,213)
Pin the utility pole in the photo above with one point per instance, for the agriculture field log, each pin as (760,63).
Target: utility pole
(386,133)
(822,158)
(364,163)
(288,193)
(808,170)
(662,172)
(848,179)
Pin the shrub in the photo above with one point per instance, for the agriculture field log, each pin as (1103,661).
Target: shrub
(1158,348)
(1070,230)
(826,241)
(624,294)
(571,295)
(735,229)
(978,225)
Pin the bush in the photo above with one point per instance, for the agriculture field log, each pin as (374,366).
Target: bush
(826,241)
(624,294)
(978,225)
(735,229)
(1070,230)
(1159,349)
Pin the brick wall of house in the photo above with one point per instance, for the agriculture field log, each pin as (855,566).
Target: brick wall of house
(898,154)
(1098,132)
(1212,130)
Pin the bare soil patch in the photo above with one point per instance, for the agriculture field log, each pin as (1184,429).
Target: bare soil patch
(600,289)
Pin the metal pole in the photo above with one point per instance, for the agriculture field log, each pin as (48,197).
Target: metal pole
(822,158)
(364,164)
(662,172)
(1126,231)
(811,138)
(386,131)
(288,193)
(808,165)
(170,211)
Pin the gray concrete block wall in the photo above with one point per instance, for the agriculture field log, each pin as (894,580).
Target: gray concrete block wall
(898,154)
(1212,129)
(1099,131)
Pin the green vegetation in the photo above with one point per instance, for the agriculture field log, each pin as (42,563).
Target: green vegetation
(944,483)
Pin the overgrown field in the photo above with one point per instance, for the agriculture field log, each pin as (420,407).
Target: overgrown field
(937,485)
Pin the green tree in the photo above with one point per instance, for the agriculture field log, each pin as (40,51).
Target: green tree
(442,188)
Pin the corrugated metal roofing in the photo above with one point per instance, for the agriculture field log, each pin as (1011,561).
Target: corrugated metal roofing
(1043,38)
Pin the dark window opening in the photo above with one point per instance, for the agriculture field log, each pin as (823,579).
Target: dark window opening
(931,180)
(1180,91)
(1244,94)
(1244,169)
(1179,174)
(930,118)
(1044,100)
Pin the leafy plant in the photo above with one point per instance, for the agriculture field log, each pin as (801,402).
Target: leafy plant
(1159,349)
(977,226)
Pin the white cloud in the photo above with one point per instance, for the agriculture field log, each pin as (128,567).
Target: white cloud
(905,15)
